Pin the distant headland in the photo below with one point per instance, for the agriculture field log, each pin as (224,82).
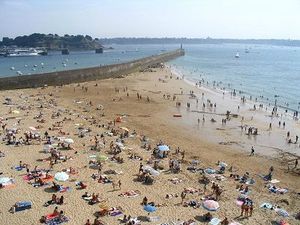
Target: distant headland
(53,42)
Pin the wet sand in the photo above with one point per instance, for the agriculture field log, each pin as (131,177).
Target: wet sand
(155,120)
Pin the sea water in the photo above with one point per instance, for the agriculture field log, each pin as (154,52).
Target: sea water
(268,73)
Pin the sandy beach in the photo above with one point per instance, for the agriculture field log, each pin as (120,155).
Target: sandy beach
(128,118)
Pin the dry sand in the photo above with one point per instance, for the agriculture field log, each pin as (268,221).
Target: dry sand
(155,120)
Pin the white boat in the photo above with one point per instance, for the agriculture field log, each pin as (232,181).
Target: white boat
(23,52)
(237,55)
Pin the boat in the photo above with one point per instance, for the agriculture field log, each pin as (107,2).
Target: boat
(237,55)
(23,52)
(247,50)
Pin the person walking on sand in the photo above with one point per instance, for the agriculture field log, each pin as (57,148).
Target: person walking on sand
(119,184)
(296,163)
(243,208)
(183,195)
(113,185)
(252,151)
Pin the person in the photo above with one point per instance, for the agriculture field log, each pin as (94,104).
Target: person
(183,195)
(60,201)
(207,217)
(251,208)
(88,222)
(61,216)
(243,208)
(296,163)
(145,201)
(119,184)
(252,151)
(55,211)
(225,221)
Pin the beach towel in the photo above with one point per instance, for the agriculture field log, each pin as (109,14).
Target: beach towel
(282,212)
(214,221)
(190,190)
(175,180)
(210,171)
(277,190)
(115,213)
(266,205)
(18,168)
(64,189)
(56,221)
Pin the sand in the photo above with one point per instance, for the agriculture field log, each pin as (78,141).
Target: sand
(206,142)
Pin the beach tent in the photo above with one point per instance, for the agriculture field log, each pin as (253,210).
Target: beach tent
(61,176)
(150,170)
(69,141)
(211,205)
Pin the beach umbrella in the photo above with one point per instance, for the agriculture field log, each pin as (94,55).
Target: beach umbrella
(61,176)
(102,158)
(32,128)
(69,141)
(163,148)
(211,205)
(149,208)
(282,212)
(5,180)
(124,128)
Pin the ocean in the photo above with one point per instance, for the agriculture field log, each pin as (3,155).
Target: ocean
(268,73)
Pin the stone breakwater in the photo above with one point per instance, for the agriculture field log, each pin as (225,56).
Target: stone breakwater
(85,74)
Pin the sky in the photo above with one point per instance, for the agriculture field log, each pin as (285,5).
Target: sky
(260,19)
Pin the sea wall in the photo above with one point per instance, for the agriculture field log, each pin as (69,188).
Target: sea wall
(87,74)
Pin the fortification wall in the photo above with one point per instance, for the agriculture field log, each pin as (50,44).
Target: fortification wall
(87,74)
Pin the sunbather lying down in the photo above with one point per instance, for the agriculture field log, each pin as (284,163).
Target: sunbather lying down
(131,193)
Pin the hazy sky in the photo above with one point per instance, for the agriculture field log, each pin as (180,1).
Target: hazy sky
(153,18)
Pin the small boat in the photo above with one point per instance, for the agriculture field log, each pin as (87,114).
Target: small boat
(247,50)
(237,55)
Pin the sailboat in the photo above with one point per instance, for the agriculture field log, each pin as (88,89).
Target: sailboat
(237,55)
